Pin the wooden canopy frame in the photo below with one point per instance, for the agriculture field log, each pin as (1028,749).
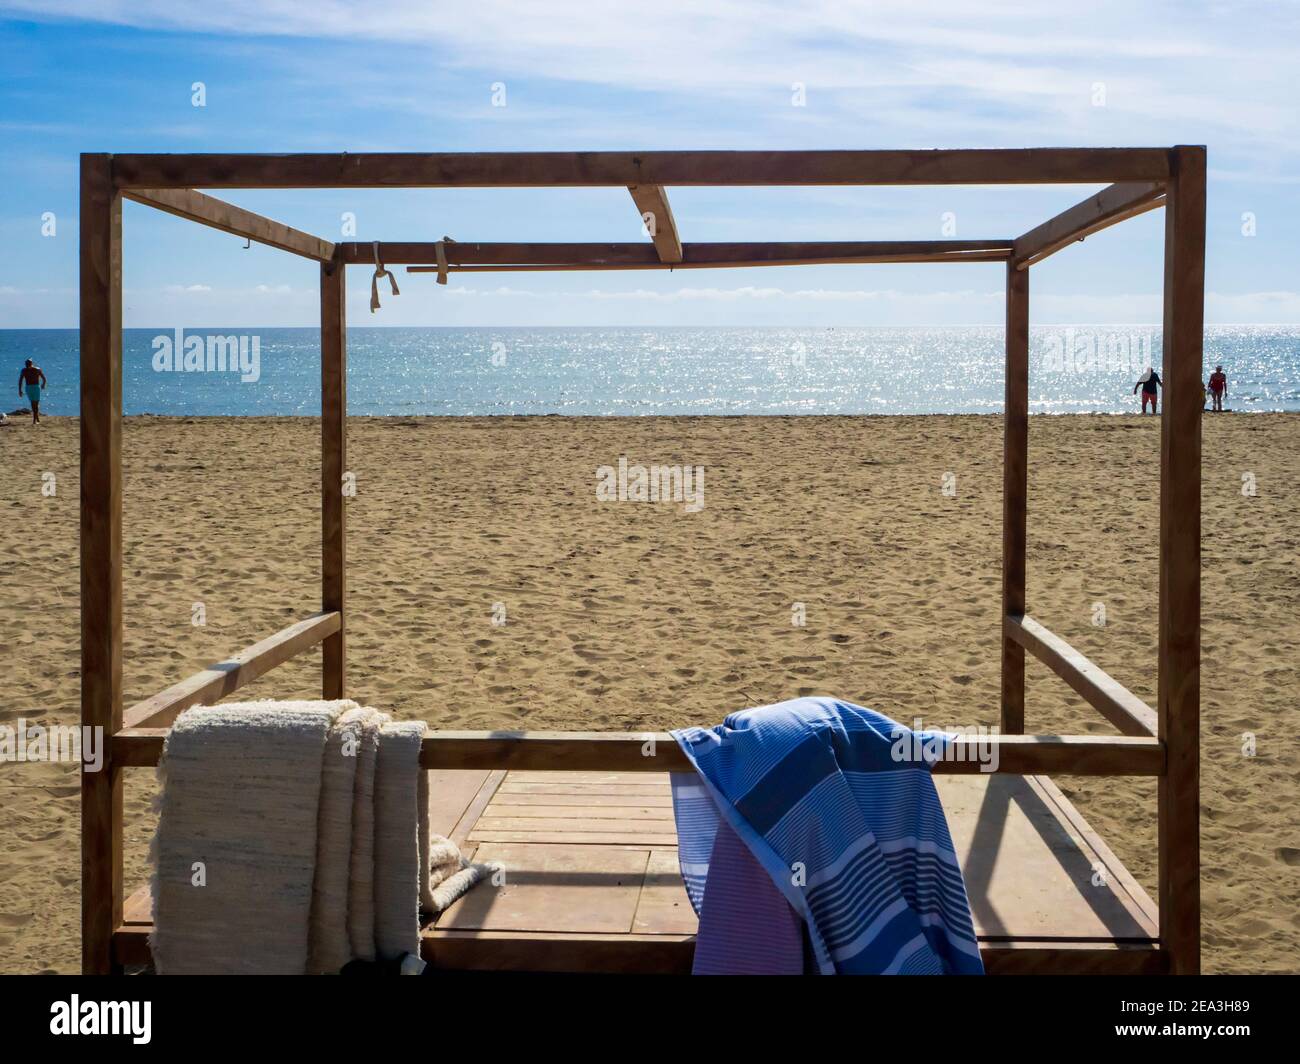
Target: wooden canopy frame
(1163,743)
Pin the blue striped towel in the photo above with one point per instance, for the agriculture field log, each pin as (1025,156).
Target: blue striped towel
(853,836)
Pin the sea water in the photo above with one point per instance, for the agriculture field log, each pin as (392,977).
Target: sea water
(642,371)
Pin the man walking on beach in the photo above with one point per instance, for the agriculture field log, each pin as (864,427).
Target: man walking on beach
(1218,387)
(1148,382)
(34,378)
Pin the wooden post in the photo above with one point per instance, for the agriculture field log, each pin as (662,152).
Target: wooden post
(1179,888)
(333,465)
(1015,493)
(101,556)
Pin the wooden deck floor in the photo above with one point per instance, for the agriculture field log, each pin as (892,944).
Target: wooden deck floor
(592,882)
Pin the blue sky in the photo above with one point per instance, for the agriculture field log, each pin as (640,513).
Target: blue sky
(330,75)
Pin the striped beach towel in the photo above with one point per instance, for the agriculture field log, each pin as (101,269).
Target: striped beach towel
(853,836)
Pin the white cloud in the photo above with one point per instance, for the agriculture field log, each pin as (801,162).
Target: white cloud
(884,73)
(1263,308)
(1017,73)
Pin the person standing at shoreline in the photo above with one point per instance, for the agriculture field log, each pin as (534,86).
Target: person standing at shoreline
(1148,382)
(1218,387)
(33,377)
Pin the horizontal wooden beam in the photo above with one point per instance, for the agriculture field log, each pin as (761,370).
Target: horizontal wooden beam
(139,747)
(719,264)
(540,951)
(566,751)
(1020,755)
(218,214)
(1072,958)
(658,752)
(214,683)
(480,950)
(962,166)
(131,945)
(1108,207)
(464,257)
(672,954)
(459,253)
(633,254)
(1116,703)
(657,217)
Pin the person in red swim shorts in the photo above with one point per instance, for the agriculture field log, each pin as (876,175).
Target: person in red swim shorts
(1148,382)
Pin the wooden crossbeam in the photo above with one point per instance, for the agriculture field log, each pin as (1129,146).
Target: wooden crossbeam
(962,166)
(459,253)
(1018,755)
(497,951)
(657,217)
(630,256)
(1077,958)
(218,214)
(206,687)
(1116,703)
(614,752)
(1108,207)
(710,262)
(646,954)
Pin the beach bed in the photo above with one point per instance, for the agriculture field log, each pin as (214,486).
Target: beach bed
(1027,852)
(592,880)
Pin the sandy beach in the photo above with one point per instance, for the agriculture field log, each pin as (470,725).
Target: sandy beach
(882,534)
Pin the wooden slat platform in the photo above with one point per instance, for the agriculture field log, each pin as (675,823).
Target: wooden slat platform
(592,882)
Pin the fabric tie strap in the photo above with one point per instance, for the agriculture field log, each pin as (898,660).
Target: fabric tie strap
(374,281)
(440,250)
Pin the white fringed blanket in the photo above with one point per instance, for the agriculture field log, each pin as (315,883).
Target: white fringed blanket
(294,837)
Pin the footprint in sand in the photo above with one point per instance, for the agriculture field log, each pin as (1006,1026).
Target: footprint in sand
(1288,855)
